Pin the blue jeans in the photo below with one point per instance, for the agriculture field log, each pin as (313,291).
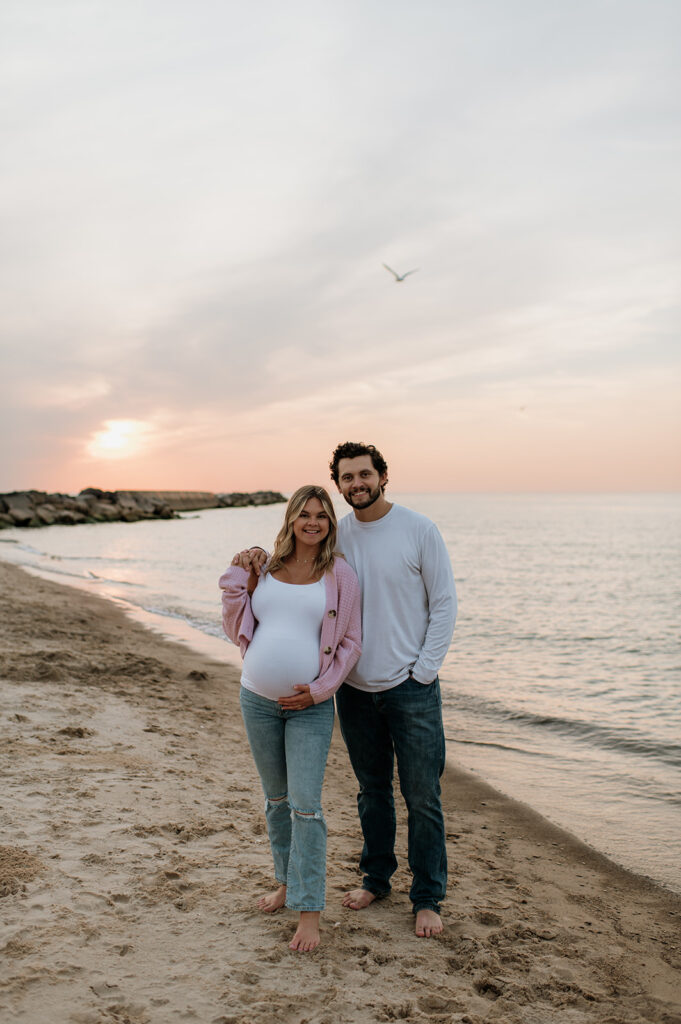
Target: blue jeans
(290,750)
(404,722)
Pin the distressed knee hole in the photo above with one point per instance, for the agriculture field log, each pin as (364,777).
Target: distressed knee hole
(276,801)
(307,815)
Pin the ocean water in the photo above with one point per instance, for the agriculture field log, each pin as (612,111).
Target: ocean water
(562,686)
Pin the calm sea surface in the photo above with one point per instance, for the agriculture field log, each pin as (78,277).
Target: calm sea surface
(562,686)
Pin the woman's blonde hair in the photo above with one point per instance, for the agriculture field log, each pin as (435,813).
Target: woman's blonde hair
(285,543)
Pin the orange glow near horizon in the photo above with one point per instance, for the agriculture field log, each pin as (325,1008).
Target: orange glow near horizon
(483,447)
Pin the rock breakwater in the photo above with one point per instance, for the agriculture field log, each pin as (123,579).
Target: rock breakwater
(92,505)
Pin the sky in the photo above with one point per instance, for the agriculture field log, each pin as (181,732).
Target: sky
(197,200)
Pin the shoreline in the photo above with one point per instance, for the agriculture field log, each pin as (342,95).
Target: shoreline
(176,629)
(138,850)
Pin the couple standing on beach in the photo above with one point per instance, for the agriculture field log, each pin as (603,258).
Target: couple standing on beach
(364,609)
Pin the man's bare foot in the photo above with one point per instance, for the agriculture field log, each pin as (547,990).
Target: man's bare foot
(307,932)
(428,923)
(358,899)
(273,901)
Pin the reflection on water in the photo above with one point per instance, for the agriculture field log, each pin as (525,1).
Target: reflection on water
(562,684)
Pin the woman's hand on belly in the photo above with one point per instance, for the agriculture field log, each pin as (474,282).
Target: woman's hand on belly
(302,699)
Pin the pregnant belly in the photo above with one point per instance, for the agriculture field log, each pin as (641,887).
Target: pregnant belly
(272,669)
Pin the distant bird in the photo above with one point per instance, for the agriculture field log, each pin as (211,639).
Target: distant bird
(399,277)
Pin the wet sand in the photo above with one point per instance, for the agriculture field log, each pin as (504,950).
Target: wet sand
(133,851)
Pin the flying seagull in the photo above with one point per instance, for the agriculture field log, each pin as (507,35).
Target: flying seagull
(399,277)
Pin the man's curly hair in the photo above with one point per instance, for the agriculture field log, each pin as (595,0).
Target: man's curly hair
(350,450)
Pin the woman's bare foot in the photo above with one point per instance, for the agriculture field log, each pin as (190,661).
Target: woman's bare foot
(428,923)
(273,901)
(307,932)
(358,899)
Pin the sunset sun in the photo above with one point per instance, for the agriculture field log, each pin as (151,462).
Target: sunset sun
(119,439)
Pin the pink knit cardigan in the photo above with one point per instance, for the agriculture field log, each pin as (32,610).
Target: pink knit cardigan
(340,645)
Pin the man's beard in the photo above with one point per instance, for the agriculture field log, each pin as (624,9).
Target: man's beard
(365,499)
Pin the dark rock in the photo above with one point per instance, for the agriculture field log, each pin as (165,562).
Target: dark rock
(95,492)
(19,508)
(67,502)
(126,501)
(46,514)
(70,517)
(104,511)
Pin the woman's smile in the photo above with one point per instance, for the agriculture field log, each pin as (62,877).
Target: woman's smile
(312,525)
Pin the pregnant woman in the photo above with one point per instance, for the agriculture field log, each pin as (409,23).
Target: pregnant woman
(298,627)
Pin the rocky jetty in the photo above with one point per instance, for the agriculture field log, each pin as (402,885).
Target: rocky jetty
(191,501)
(237,499)
(38,508)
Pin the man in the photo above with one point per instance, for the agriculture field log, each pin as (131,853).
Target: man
(389,706)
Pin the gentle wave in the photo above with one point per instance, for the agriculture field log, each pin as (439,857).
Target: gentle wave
(484,744)
(206,626)
(30,549)
(605,737)
(109,559)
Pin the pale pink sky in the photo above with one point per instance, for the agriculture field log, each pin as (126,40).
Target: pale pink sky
(548,444)
(198,201)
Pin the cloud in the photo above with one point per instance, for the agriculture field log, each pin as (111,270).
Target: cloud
(64,394)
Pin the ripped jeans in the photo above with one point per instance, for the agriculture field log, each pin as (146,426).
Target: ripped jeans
(290,750)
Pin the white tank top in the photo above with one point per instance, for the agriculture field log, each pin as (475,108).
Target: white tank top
(285,646)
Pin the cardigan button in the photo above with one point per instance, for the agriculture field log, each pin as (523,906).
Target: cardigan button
(332,613)
(327,650)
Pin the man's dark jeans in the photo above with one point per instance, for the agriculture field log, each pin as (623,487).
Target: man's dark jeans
(404,722)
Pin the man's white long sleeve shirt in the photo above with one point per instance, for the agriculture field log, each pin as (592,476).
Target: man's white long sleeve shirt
(408,597)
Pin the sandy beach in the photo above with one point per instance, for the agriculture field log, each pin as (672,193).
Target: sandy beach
(133,850)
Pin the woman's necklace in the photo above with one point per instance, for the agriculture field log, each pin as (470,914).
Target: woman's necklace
(298,569)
